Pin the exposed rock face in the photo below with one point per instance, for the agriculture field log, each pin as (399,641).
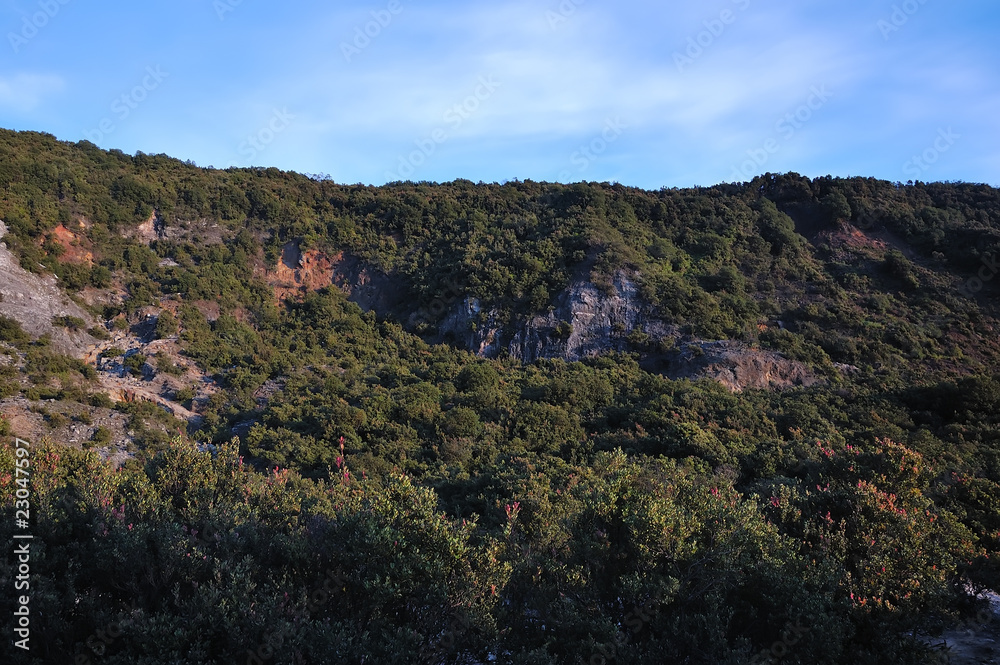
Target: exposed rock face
(587,322)
(369,287)
(299,272)
(150,230)
(202,231)
(34,301)
(584,322)
(74,248)
(738,366)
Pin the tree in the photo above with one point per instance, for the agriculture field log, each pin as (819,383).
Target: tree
(166,324)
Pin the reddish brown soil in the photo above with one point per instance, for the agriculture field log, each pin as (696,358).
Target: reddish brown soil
(74,249)
(298,272)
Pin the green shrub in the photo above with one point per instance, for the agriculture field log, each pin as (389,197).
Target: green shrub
(135,364)
(100,277)
(166,325)
(56,420)
(184,395)
(73,323)
(101,436)
(100,400)
(12,332)
(100,333)
(166,365)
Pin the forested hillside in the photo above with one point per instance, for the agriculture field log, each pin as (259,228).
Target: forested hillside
(287,420)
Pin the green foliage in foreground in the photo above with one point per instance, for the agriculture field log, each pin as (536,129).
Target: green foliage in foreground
(197,558)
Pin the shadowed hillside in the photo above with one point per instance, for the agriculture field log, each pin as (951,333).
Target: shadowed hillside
(518,423)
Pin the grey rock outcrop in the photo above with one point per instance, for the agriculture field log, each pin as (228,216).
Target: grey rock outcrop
(35,300)
(585,322)
(738,366)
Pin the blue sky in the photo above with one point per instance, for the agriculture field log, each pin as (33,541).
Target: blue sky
(650,94)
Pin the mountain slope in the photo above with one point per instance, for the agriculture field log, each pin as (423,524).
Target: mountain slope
(530,422)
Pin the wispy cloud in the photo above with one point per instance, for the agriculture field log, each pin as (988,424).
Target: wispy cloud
(24,92)
(565,67)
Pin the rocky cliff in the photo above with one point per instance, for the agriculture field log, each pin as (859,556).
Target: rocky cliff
(585,321)
(36,301)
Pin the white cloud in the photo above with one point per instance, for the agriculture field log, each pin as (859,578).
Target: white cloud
(560,82)
(24,92)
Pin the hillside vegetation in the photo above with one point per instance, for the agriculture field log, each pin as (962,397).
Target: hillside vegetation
(346,482)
